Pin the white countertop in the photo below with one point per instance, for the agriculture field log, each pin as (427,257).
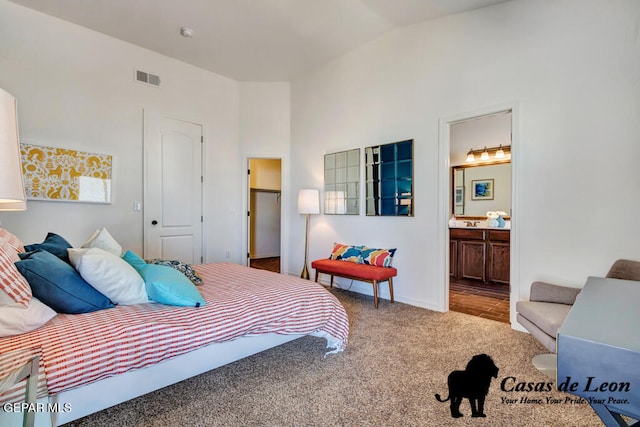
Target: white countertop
(481,225)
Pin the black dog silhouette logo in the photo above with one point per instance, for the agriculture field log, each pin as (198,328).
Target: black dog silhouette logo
(472,383)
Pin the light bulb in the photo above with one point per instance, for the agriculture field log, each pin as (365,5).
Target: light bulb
(470,156)
(500,153)
(485,155)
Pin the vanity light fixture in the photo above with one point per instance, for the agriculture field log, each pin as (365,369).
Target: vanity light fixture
(486,154)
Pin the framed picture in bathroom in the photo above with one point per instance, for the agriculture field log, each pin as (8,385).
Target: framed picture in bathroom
(482,189)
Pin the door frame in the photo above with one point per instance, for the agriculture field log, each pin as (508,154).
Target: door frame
(444,162)
(145,118)
(247,203)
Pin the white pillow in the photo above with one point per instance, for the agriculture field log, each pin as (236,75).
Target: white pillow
(17,319)
(104,240)
(110,275)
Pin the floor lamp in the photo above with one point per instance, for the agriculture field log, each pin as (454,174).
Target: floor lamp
(308,203)
(12,195)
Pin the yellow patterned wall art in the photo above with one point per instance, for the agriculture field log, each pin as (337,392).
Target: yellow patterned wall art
(60,174)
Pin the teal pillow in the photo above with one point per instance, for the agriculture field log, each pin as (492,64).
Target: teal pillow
(58,285)
(164,284)
(54,244)
(134,260)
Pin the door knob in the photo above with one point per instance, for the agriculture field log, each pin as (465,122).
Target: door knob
(154,222)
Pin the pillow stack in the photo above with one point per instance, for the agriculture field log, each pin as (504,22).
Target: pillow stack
(38,281)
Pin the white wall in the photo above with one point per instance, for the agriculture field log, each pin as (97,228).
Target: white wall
(75,89)
(572,67)
(265,132)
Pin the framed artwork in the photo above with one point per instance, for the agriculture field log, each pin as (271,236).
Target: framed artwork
(62,174)
(459,196)
(482,189)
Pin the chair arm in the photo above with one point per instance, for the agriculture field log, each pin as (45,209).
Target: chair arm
(625,269)
(547,292)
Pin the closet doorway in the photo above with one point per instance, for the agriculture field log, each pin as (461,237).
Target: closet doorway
(479,249)
(264,213)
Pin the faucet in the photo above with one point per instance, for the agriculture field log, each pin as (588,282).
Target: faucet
(471,223)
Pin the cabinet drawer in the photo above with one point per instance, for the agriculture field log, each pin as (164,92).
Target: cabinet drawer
(499,236)
(463,233)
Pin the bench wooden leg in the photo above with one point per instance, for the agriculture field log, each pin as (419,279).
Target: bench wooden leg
(375,293)
(391,289)
(317,276)
(331,282)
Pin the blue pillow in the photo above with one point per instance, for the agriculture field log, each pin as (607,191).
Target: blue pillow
(164,284)
(58,285)
(53,243)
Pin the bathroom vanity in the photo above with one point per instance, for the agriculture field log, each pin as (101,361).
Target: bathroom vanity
(479,255)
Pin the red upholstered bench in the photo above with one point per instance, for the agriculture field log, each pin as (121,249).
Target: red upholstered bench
(351,270)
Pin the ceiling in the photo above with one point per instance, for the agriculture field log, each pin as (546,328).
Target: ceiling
(250,40)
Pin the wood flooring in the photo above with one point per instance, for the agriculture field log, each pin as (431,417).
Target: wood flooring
(271,264)
(490,302)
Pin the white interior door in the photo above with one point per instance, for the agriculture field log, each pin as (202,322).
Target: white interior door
(172,189)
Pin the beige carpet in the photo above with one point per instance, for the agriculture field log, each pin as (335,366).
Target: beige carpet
(398,357)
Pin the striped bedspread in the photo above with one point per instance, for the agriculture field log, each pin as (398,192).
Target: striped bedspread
(81,348)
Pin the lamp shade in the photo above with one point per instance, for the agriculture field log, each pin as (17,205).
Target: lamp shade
(12,196)
(309,202)
(13,206)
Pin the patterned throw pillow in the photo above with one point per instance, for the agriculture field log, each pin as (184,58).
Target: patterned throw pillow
(378,257)
(13,286)
(182,267)
(7,237)
(347,253)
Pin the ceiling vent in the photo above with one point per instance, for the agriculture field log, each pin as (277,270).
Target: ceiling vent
(148,78)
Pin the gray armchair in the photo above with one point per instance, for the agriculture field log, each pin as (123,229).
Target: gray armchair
(549,304)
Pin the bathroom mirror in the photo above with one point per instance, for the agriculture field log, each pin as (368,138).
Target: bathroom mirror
(470,196)
(389,179)
(341,179)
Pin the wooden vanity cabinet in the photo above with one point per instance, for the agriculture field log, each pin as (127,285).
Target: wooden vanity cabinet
(480,255)
(498,257)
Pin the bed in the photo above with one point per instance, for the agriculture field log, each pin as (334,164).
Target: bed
(92,361)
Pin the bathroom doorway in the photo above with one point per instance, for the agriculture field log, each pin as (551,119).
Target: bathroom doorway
(479,246)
